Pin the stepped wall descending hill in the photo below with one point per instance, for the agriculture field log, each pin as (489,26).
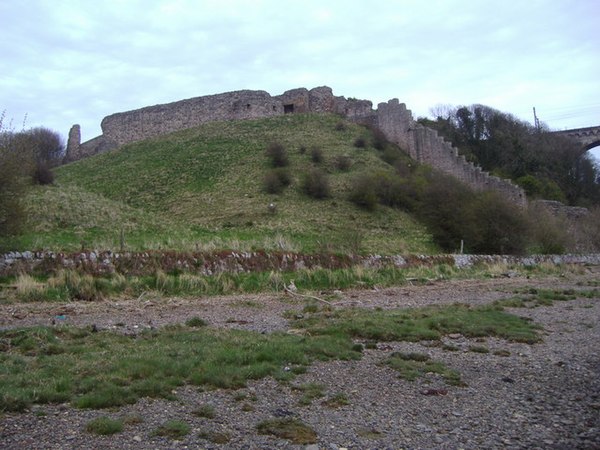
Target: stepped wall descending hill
(426,146)
(392,118)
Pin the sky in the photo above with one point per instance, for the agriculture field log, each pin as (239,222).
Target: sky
(65,62)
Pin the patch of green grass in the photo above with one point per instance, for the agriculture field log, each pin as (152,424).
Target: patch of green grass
(247,407)
(533,297)
(174,429)
(479,349)
(417,324)
(291,429)
(133,419)
(196,322)
(336,401)
(106,369)
(369,433)
(207,411)
(415,365)
(104,426)
(310,392)
(216,437)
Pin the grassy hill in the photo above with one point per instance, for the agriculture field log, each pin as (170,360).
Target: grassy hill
(202,189)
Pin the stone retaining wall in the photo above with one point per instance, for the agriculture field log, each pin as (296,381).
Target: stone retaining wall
(147,263)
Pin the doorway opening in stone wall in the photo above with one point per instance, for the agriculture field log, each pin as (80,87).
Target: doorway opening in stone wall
(288,109)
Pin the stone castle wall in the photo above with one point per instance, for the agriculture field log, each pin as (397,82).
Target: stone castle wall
(392,118)
(426,146)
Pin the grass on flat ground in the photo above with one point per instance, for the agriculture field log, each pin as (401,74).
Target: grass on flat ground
(100,369)
(533,297)
(291,429)
(203,188)
(414,365)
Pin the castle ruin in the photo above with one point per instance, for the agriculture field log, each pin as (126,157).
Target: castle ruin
(392,118)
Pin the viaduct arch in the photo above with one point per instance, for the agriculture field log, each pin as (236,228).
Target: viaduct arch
(588,137)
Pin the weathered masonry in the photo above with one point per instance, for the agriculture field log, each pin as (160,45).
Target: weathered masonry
(392,118)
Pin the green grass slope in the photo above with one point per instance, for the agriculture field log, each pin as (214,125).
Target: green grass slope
(202,189)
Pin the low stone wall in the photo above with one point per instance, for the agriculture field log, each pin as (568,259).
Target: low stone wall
(147,263)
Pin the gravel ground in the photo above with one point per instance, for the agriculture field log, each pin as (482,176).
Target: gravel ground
(545,395)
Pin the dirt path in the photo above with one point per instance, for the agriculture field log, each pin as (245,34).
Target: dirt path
(545,395)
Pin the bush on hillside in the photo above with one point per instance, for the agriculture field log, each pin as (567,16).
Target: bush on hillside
(379,140)
(360,142)
(452,212)
(315,184)
(342,162)
(276,180)
(363,192)
(277,154)
(549,233)
(316,155)
(43,175)
(12,190)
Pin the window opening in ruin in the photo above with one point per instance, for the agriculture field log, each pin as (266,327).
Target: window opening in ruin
(248,106)
(288,109)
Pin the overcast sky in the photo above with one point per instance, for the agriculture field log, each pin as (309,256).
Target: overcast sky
(66,62)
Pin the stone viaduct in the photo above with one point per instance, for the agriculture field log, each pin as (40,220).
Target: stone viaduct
(588,137)
(393,119)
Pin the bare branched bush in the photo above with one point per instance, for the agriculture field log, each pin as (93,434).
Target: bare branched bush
(360,142)
(343,162)
(316,155)
(43,175)
(276,180)
(277,154)
(316,184)
(549,233)
(363,192)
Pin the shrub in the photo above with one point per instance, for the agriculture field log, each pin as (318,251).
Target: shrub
(363,192)
(174,429)
(500,227)
(43,175)
(379,140)
(207,411)
(360,142)
(588,231)
(104,426)
(549,234)
(316,155)
(276,180)
(343,162)
(340,126)
(316,184)
(391,155)
(277,154)
(12,191)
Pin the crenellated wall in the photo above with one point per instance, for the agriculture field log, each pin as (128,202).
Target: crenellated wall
(392,118)
(426,146)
